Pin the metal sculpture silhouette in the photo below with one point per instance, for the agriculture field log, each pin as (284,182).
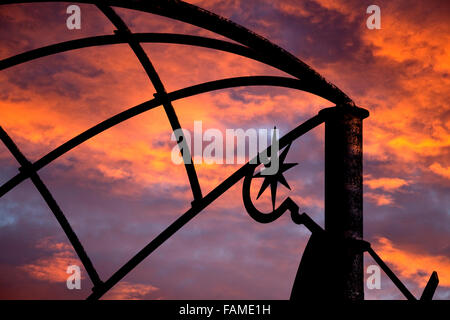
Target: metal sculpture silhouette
(342,240)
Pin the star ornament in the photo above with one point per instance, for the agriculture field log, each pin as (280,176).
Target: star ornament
(273,179)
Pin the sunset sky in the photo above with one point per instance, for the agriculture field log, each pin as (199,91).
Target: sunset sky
(120,189)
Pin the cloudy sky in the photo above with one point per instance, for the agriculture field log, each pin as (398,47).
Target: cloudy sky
(121,189)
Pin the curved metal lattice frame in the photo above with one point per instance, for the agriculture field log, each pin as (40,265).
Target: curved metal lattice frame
(248,45)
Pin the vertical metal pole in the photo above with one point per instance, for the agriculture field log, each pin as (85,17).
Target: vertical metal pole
(344,198)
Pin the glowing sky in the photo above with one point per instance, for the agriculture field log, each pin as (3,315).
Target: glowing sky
(120,189)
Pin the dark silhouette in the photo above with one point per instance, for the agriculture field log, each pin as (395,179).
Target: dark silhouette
(342,240)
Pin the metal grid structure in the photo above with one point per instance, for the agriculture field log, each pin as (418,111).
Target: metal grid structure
(343,147)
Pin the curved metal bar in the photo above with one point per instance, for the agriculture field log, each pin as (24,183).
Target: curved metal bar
(59,48)
(136,110)
(123,31)
(150,38)
(172,38)
(287,205)
(199,206)
(194,15)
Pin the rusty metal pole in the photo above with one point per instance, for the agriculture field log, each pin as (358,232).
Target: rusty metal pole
(344,198)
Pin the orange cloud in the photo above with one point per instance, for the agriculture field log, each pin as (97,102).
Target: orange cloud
(300,9)
(52,268)
(408,125)
(440,170)
(402,38)
(420,50)
(387,184)
(130,291)
(413,265)
(379,199)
